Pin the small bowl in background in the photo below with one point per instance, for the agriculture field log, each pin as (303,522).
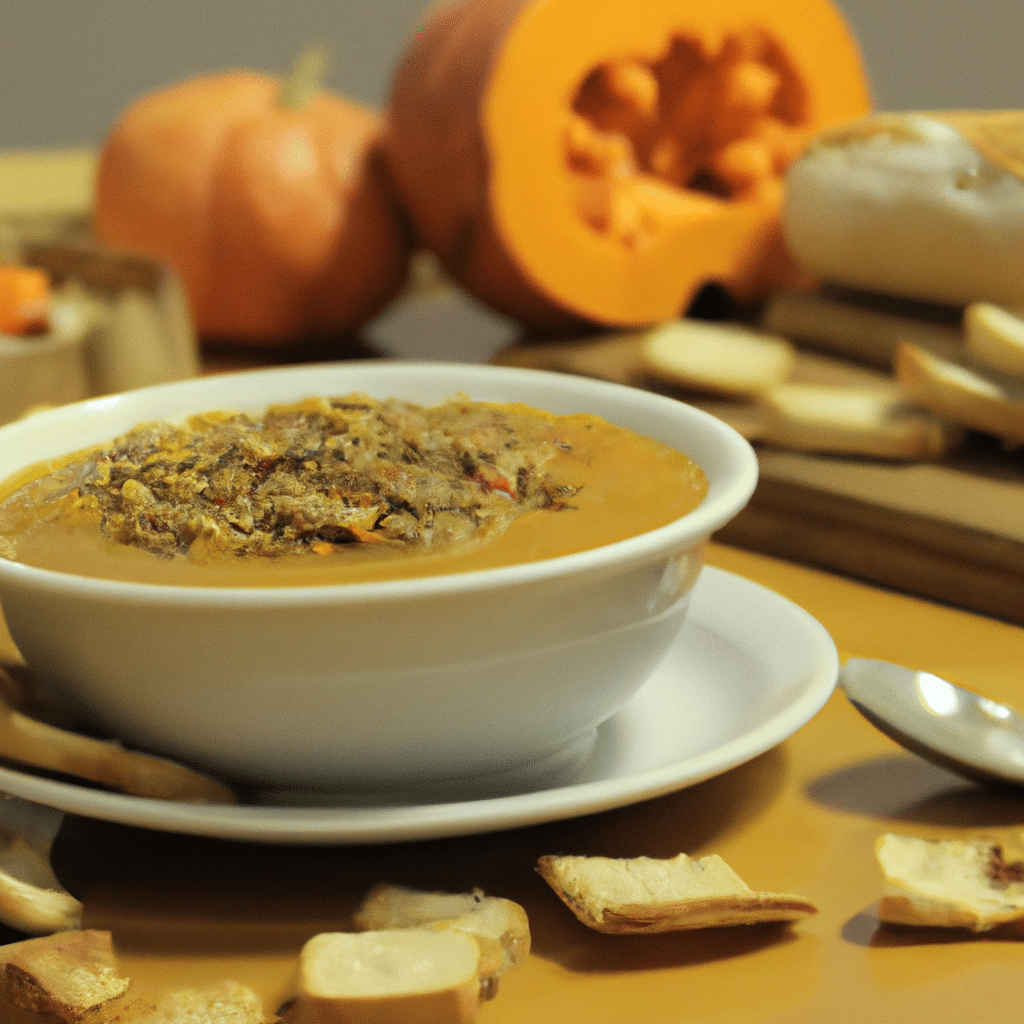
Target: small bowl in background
(117,321)
(371,686)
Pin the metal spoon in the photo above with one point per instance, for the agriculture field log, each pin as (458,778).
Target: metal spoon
(950,726)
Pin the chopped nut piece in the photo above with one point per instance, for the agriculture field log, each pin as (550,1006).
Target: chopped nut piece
(643,894)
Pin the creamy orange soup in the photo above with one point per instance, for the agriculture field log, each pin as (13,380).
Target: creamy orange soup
(601,483)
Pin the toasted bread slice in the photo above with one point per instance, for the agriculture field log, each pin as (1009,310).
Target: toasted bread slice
(866,331)
(995,337)
(74,978)
(718,359)
(34,908)
(32,898)
(950,883)
(986,401)
(46,746)
(500,926)
(644,894)
(880,423)
(398,976)
(66,977)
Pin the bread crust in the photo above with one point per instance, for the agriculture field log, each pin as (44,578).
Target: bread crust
(644,895)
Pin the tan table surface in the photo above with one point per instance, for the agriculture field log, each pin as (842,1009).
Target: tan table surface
(802,818)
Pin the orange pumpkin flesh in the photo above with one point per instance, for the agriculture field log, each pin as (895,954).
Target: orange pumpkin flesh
(600,161)
(280,221)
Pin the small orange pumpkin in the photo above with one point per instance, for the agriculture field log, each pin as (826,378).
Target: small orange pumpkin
(599,161)
(268,198)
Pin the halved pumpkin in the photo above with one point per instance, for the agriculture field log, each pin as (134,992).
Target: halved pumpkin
(599,161)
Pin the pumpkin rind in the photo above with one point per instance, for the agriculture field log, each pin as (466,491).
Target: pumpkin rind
(488,130)
(280,222)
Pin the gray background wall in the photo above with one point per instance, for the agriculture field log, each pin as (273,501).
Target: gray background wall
(68,67)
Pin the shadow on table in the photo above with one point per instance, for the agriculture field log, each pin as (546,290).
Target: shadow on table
(869,932)
(185,894)
(909,789)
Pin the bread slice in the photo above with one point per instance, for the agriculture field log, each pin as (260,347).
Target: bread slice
(46,746)
(868,329)
(851,420)
(950,883)
(995,337)
(499,926)
(643,894)
(32,898)
(34,908)
(719,359)
(982,400)
(396,976)
(73,978)
(67,977)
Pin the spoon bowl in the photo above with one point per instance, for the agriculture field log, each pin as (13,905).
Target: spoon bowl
(957,729)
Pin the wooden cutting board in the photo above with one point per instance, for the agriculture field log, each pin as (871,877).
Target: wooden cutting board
(951,531)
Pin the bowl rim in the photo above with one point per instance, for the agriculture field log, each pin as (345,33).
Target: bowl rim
(695,526)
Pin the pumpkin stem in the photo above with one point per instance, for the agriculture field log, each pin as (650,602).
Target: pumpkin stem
(305,79)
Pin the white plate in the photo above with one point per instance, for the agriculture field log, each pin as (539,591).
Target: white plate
(748,669)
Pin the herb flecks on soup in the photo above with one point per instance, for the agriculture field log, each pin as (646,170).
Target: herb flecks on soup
(370,485)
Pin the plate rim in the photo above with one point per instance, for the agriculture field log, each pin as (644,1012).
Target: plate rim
(359,825)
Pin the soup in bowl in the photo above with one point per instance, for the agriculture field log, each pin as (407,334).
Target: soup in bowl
(327,616)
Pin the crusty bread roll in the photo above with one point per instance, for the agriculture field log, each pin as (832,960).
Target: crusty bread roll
(645,894)
(922,205)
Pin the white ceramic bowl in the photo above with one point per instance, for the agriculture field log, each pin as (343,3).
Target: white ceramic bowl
(370,685)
